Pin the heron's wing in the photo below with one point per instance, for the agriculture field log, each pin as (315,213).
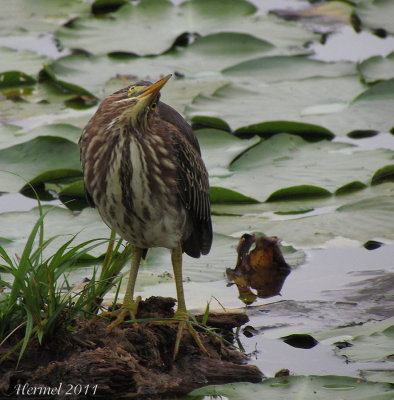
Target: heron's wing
(168,114)
(193,189)
(89,198)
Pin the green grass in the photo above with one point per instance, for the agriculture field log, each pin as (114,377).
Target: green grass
(38,298)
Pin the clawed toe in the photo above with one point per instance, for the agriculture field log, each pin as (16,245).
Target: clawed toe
(186,325)
(183,324)
(128,309)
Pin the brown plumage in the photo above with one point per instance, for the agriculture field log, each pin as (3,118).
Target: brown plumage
(143,171)
(176,155)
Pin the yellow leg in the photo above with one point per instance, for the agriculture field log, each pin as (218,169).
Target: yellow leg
(181,312)
(129,306)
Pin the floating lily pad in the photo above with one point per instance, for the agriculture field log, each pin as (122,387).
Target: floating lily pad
(309,132)
(370,110)
(16,227)
(104,6)
(375,347)
(285,161)
(39,160)
(351,187)
(318,15)
(287,68)
(73,195)
(213,52)
(382,92)
(370,342)
(220,148)
(376,14)
(130,28)
(357,216)
(209,54)
(31,17)
(321,387)
(26,62)
(362,133)
(15,78)
(204,121)
(377,68)
(302,191)
(300,340)
(222,195)
(11,135)
(75,189)
(385,174)
(43,105)
(70,87)
(283,101)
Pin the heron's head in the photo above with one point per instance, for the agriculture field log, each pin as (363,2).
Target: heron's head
(139,101)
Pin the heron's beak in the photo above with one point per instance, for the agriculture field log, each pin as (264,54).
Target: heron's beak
(154,89)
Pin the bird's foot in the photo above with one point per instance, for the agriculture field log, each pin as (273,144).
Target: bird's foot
(128,308)
(182,319)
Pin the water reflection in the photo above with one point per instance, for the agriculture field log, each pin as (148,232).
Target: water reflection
(262,269)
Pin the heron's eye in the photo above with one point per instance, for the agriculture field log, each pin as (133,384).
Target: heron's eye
(153,106)
(134,90)
(131,90)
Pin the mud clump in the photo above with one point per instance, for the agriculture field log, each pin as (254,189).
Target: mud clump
(133,361)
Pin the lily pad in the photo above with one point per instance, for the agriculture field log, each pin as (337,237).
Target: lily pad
(375,347)
(43,159)
(220,148)
(370,342)
(222,195)
(376,14)
(288,68)
(208,54)
(319,15)
(43,105)
(30,17)
(300,340)
(16,227)
(70,87)
(11,135)
(382,92)
(385,174)
(377,68)
(204,121)
(27,62)
(284,101)
(313,386)
(350,187)
(15,78)
(35,115)
(285,161)
(309,132)
(130,29)
(213,52)
(104,6)
(357,216)
(73,195)
(301,191)
(368,111)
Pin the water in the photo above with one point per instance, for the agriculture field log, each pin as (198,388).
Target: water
(347,45)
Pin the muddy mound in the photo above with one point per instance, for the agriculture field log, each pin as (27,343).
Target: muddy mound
(133,361)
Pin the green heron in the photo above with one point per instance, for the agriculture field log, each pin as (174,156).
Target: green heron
(143,170)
